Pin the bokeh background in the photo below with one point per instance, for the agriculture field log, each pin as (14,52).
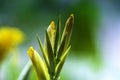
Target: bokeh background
(95,52)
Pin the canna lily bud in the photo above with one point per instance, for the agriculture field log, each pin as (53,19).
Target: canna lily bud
(65,41)
(68,29)
(38,64)
(51,31)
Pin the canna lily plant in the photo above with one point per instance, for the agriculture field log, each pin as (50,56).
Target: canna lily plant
(54,51)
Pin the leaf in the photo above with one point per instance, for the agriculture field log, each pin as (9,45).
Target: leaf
(61,48)
(43,52)
(57,35)
(38,64)
(50,54)
(61,63)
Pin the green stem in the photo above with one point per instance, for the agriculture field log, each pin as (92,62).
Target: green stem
(24,74)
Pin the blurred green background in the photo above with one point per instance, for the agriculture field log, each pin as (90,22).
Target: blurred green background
(95,39)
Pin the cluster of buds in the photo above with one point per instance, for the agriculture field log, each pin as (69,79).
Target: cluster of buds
(54,51)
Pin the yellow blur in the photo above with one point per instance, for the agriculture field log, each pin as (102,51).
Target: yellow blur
(9,37)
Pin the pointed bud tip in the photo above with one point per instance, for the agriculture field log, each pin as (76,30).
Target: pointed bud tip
(52,24)
(71,18)
(30,51)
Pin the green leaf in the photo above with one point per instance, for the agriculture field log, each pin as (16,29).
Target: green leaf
(43,52)
(50,54)
(61,48)
(57,36)
(61,63)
